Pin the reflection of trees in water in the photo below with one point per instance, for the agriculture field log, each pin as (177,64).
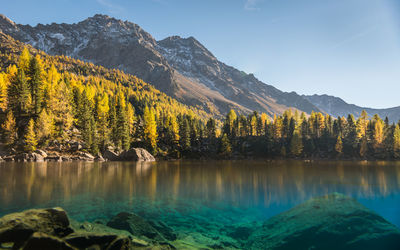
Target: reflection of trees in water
(239,182)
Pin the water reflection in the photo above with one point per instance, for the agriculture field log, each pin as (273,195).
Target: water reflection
(239,183)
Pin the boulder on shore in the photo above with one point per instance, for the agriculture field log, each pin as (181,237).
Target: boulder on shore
(136,154)
(332,221)
(110,155)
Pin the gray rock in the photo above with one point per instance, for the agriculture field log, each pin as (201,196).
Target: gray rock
(110,155)
(76,146)
(99,158)
(86,156)
(56,158)
(332,222)
(136,154)
(41,152)
(29,157)
(9,158)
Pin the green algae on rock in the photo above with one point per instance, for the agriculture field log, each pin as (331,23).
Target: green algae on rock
(333,221)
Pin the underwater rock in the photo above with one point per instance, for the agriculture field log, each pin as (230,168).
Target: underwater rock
(18,227)
(51,229)
(164,229)
(333,221)
(46,242)
(135,225)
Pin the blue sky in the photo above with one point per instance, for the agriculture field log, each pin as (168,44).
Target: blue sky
(346,48)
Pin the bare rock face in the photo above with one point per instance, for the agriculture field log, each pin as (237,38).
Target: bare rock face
(333,221)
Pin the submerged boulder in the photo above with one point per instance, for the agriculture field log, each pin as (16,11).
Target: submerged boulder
(332,221)
(18,227)
(135,225)
(51,229)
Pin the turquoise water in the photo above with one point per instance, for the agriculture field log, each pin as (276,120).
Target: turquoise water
(199,199)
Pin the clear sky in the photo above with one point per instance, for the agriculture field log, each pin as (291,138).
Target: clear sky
(346,48)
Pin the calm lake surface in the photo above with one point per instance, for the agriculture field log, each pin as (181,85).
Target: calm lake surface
(195,196)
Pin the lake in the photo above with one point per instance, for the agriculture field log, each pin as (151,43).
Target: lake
(196,197)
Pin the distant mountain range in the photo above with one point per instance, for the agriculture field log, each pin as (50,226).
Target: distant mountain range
(181,67)
(335,106)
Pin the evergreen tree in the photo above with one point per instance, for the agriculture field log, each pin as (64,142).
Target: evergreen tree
(339,145)
(363,146)
(229,122)
(225,147)
(19,95)
(30,137)
(184,134)
(24,60)
(10,129)
(150,128)
(44,126)
(296,144)
(211,128)
(396,142)
(3,92)
(36,83)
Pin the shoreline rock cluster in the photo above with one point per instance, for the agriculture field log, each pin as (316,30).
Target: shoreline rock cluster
(133,154)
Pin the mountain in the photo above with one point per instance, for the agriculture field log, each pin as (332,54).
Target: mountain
(109,81)
(335,106)
(182,68)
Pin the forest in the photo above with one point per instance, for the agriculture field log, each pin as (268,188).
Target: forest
(44,98)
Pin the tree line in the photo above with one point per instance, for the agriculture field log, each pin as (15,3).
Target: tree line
(41,101)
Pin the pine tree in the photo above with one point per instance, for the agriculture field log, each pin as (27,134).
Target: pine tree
(184,134)
(24,60)
(211,128)
(362,124)
(44,126)
(225,147)
(378,132)
(229,120)
(36,83)
(3,92)
(10,129)
(150,128)
(19,95)
(296,144)
(339,145)
(30,137)
(396,142)
(363,146)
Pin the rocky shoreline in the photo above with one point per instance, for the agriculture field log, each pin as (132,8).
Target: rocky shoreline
(333,221)
(58,153)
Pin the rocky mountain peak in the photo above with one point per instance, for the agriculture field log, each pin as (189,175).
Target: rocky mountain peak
(6,24)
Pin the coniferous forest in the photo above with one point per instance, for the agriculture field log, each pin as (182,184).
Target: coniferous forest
(55,98)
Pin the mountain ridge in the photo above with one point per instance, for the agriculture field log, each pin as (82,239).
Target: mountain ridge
(123,45)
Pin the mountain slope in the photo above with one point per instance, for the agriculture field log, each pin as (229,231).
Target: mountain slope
(335,106)
(182,68)
(140,93)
